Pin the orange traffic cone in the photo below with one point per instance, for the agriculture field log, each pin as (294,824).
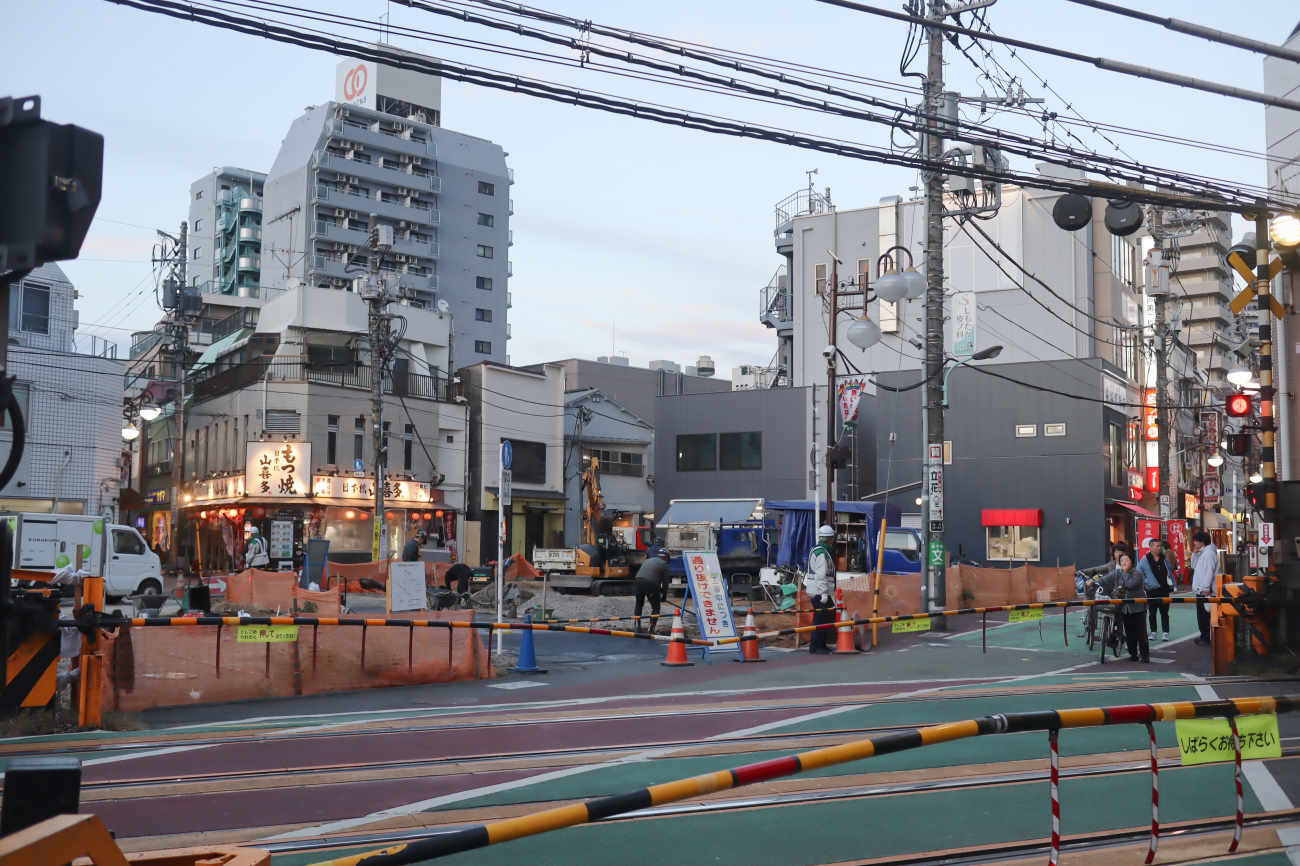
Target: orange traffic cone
(677,645)
(844,634)
(749,640)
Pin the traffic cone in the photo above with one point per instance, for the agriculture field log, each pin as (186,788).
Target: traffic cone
(677,645)
(527,654)
(844,634)
(749,640)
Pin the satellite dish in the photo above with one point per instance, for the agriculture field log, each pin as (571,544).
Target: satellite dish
(1072,211)
(1123,218)
(444,307)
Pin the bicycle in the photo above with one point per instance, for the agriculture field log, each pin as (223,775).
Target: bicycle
(1111,628)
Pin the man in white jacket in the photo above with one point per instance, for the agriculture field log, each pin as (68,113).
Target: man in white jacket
(1204,568)
(819,583)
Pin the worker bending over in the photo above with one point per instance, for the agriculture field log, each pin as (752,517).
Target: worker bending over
(652,584)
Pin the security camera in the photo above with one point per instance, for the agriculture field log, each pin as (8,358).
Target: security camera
(828,352)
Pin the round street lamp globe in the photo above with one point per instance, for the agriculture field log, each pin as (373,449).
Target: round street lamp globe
(891,287)
(130,433)
(864,333)
(1239,375)
(1216,460)
(150,413)
(1255,478)
(915,281)
(1285,230)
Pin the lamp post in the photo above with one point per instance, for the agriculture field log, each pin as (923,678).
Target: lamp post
(982,355)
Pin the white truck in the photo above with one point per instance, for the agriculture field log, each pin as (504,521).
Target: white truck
(47,542)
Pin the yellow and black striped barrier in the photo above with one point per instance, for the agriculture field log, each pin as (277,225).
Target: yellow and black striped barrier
(482,835)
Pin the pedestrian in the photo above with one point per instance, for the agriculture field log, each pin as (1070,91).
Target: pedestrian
(652,586)
(411,550)
(255,553)
(1159,585)
(1205,565)
(819,583)
(1128,585)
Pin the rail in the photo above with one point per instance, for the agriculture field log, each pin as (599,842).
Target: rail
(1051,721)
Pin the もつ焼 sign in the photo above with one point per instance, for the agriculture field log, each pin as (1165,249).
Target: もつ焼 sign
(277,469)
(709,590)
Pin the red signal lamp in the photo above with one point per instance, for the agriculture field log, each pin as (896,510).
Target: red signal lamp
(1238,406)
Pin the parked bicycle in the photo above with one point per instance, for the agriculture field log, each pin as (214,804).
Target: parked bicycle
(1110,629)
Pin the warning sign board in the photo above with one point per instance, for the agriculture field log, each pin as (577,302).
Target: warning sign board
(267,633)
(1206,741)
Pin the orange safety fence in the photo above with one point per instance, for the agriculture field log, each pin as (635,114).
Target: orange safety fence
(350,574)
(278,590)
(159,667)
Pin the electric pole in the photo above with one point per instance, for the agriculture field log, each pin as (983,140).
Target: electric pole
(935,557)
(1162,373)
(375,293)
(180,334)
(1267,391)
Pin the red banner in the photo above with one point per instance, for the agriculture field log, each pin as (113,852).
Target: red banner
(1150,418)
(1177,534)
(1147,531)
(1153,479)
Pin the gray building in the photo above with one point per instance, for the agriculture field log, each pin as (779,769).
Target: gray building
(71,402)
(732,444)
(595,425)
(379,150)
(1036,457)
(225,232)
(635,388)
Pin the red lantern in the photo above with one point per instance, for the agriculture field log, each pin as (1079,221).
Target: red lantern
(436,514)
(259,511)
(203,515)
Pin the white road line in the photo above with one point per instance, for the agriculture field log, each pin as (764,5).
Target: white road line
(1269,793)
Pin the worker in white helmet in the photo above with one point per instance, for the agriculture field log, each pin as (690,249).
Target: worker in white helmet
(819,583)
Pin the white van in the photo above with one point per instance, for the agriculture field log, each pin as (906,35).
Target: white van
(47,542)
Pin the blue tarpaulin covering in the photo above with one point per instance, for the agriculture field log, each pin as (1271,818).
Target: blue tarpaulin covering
(798,527)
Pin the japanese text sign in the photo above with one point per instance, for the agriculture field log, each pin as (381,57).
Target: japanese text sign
(712,603)
(1206,741)
(921,623)
(1025,615)
(277,469)
(267,634)
(1150,418)
(849,393)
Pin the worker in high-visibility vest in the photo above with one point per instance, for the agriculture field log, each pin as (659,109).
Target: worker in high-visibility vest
(819,583)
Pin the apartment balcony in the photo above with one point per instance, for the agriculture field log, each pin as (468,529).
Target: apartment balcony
(339,233)
(335,269)
(422,214)
(510,300)
(213,381)
(393,175)
(143,343)
(372,135)
(510,238)
(510,269)
(425,249)
(510,175)
(419,282)
(250,204)
(250,233)
(250,263)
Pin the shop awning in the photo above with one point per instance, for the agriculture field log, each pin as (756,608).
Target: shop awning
(1136,509)
(1011,517)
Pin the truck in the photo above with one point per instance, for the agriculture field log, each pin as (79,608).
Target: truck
(117,553)
(603,564)
(742,531)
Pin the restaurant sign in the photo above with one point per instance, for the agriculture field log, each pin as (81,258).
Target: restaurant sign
(277,469)
(363,488)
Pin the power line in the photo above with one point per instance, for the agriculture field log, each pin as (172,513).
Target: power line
(1192,29)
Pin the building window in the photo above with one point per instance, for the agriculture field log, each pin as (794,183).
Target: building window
(197,252)
(384,448)
(482,315)
(1006,543)
(528,462)
(29,308)
(1114,456)
(483,251)
(485,188)
(697,452)
(819,278)
(359,438)
(1026,431)
(332,440)
(484,283)
(23,393)
(406,447)
(198,225)
(740,450)
(483,347)
(198,195)
(486,219)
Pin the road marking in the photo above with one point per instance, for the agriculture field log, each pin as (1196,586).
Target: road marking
(518,684)
(1269,793)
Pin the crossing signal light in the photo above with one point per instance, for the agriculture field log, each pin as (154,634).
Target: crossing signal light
(1254,495)
(1238,406)
(1238,444)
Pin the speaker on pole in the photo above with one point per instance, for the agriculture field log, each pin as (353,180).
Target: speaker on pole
(1072,211)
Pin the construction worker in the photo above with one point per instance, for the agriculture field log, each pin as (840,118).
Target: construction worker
(819,583)
(651,584)
(255,553)
(411,550)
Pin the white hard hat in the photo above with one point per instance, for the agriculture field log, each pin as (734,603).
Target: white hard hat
(825,532)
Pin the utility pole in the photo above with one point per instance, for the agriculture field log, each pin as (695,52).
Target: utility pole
(831,365)
(1163,422)
(935,557)
(375,293)
(1267,391)
(180,334)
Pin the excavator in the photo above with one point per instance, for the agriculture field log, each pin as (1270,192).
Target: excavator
(600,563)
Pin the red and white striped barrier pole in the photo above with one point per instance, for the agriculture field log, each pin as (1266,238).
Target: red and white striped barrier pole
(1236,778)
(1052,737)
(1155,796)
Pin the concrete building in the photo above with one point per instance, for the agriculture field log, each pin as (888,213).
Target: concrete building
(722,445)
(225,233)
(526,407)
(595,425)
(1200,290)
(378,149)
(71,404)
(634,388)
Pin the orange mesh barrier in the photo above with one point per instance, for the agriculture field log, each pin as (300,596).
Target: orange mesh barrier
(177,665)
(350,574)
(518,568)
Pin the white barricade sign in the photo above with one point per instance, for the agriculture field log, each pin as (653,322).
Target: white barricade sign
(406,587)
(709,590)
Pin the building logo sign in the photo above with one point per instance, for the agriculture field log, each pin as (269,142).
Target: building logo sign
(277,469)
(355,83)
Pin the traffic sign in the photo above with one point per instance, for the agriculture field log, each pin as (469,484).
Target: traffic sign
(505,486)
(1164,507)
(358,464)
(1266,537)
(937,557)
(507,453)
(936,526)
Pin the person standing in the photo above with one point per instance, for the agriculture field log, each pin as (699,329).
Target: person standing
(1159,585)
(1205,566)
(652,586)
(1128,585)
(819,583)
(255,552)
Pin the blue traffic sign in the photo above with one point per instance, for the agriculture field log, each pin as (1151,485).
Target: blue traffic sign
(507,453)
(358,465)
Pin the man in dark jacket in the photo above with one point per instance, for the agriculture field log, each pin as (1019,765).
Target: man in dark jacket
(1155,572)
(652,585)
(411,550)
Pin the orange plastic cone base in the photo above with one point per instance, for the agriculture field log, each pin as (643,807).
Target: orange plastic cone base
(677,646)
(749,641)
(844,634)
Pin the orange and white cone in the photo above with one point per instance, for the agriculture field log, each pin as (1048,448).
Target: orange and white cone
(749,640)
(677,645)
(844,634)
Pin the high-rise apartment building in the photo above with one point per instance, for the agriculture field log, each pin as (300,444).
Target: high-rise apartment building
(379,150)
(225,232)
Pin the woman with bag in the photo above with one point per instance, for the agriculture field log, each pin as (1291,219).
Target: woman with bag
(1128,585)
(1159,585)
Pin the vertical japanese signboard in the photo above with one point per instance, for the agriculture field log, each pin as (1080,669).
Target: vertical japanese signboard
(1150,417)
(1147,532)
(963,324)
(709,590)
(277,469)
(849,394)
(1176,532)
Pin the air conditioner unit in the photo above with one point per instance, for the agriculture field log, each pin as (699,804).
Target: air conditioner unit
(340,212)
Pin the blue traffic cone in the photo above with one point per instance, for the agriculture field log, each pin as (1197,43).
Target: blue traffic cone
(527,655)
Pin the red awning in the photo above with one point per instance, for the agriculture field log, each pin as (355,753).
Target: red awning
(1136,509)
(1012,517)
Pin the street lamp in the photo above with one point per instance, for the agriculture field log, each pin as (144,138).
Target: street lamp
(863,333)
(982,355)
(1284,229)
(1240,376)
(1215,460)
(150,413)
(130,432)
(1255,477)
(893,285)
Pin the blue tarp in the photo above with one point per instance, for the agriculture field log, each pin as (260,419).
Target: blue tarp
(798,527)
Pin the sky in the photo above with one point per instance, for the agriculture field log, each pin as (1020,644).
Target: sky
(630,237)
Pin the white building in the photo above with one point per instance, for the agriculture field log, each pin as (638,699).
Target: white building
(71,403)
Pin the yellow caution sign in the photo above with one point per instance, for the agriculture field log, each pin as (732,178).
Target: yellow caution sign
(268,633)
(921,623)
(1025,615)
(1206,741)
